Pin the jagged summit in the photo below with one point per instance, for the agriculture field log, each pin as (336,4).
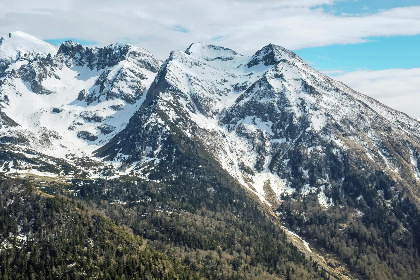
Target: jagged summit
(17,44)
(72,101)
(211,52)
(70,48)
(270,55)
(101,57)
(230,60)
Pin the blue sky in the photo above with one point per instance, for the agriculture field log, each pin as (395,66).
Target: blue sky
(361,7)
(378,53)
(370,45)
(58,41)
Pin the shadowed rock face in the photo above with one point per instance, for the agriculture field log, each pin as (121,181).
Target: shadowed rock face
(109,56)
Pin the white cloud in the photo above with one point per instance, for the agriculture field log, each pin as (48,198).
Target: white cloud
(242,25)
(396,88)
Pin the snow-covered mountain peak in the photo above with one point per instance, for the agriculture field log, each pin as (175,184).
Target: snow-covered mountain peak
(217,56)
(100,58)
(70,48)
(71,101)
(271,55)
(17,44)
(211,52)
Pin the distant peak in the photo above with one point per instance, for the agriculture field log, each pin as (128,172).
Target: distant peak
(21,37)
(126,48)
(17,43)
(70,43)
(210,52)
(270,46)
(70,48)
(120,46)
(18,35)
(21,34)
(196,46)
(279,50)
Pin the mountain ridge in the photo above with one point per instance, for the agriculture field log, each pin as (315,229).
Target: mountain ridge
(230,86)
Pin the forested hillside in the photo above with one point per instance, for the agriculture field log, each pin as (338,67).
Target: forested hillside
(47,237)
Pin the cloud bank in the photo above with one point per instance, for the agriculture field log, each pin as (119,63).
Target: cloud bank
(396,88)
(162,26)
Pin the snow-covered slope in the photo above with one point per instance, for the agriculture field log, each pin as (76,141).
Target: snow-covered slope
(273,122)
(18,44)
(70,103)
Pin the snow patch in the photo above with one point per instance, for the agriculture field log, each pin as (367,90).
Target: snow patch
(414,163)
(306,244)
(323,200)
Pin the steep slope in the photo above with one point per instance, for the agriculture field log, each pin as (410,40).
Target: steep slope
(187,93)
(317,152)
(46,237)
(195,212)
(269,118)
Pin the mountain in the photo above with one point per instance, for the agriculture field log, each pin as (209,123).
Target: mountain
(19,45)
(213,137)
(269,118)
(70,103)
